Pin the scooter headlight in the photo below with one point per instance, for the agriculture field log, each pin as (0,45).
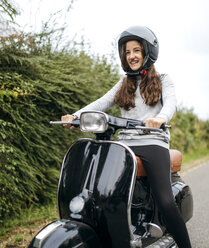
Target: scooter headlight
(95,122)
(77,204)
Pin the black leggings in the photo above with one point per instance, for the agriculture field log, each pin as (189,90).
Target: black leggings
(156,161)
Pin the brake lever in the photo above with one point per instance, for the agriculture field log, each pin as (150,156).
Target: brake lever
(75,123)
(162,128)
(150,129)
(59,122)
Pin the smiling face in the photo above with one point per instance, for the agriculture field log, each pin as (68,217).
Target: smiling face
(134,54)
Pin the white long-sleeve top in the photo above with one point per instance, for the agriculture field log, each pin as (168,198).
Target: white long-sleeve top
(141,111)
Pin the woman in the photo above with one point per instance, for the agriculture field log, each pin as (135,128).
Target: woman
(146,95)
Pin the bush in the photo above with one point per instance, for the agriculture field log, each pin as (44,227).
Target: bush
(38,85)
(188,133)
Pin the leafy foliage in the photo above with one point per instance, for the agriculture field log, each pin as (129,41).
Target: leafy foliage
(188,133)
(8,8)
(38,85)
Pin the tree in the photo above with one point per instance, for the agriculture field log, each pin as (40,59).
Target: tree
(7,9)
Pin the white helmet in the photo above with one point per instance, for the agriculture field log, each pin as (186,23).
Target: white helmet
(149,42)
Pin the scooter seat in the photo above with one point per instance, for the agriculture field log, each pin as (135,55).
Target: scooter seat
(176,160)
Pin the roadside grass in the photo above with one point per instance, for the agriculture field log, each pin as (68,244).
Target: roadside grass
(195,158)
(19,231)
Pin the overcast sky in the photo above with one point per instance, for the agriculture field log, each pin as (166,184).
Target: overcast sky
(182,28)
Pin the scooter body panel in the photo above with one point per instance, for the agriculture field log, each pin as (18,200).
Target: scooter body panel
(184,199)
(100,202)
(65,234)
(105,178)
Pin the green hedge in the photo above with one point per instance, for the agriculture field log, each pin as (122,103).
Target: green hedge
(188,133)
(38,85)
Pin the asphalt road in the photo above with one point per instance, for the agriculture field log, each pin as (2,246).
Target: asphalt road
(198,226)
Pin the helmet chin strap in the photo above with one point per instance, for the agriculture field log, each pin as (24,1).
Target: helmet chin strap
(142,71)
(136,73)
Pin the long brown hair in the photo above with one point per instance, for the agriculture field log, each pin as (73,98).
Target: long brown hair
(150,86)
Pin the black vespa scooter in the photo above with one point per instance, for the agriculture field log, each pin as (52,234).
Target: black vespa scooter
(104,198)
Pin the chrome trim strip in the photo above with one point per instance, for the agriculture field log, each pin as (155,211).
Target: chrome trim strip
(46,232)
(61,172)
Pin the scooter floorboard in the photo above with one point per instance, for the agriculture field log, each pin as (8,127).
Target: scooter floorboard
(165,242)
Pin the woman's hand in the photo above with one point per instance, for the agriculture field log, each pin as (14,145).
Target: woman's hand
(68,118)
(155,122)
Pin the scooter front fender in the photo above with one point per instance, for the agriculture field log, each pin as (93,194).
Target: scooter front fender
(65,234)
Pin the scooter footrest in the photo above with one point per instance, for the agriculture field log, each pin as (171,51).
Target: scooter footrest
(165,242)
